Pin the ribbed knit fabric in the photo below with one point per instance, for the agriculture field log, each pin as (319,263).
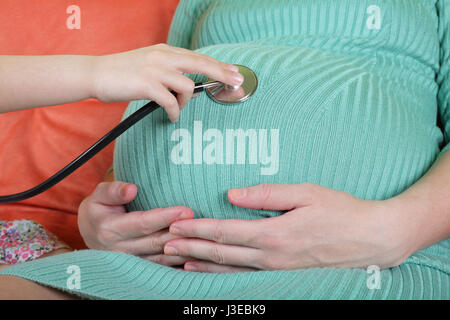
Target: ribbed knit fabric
(111,275)
(353,97)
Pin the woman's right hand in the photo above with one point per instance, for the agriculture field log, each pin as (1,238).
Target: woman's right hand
(105,225)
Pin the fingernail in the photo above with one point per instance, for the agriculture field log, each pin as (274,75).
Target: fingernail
(238,78)
(184,215)
(175,230)
(237,194)
(232,67)
(170,251)
(190,267)
(123,191)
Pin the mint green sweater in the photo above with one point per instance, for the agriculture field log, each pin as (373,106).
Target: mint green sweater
(348,96)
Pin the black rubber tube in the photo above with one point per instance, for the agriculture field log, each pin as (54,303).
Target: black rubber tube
(91,152)
(85,156)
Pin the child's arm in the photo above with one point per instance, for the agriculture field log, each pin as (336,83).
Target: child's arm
(145,73)
(36,81)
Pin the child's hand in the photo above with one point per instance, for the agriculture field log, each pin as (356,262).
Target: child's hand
(148,73)
(105,225)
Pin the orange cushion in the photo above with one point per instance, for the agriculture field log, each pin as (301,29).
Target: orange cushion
(36,143)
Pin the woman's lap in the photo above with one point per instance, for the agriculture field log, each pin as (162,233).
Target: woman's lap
(110,275)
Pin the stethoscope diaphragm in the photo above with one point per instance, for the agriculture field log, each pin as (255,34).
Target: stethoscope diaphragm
(216,90)
(227,94)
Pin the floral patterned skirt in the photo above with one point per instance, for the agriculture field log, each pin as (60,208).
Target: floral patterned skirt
(25,240)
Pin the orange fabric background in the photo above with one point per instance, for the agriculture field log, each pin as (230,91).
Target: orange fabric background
(34,144)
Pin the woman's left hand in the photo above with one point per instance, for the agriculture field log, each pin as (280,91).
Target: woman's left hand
(321,228)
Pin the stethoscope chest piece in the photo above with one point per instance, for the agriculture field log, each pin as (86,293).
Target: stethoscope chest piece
(226,94)
(216,90)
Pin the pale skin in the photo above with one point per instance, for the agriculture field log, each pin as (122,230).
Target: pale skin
(15,288)
(145,73)
(324,226)
(105,225)
(321,228)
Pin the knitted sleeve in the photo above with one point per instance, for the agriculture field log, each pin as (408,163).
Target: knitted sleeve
(443,79)
(183,25)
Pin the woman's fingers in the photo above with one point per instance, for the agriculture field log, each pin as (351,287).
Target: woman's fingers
(274,196)
(214,252)
(230,231)
(206,266)
(114,193)
(105,225)
(143,223)
(147,245)
(166,260)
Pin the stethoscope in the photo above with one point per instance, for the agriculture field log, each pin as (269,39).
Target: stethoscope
(217,91)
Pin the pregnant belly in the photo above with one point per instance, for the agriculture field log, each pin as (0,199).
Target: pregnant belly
(315,117)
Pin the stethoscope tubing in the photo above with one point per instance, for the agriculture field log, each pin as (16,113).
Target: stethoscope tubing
(123,126)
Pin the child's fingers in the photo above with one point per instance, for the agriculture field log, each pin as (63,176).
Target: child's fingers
(184,51)
(161,95)
(183,99)
(182,85)
(227,66)
(212,69)
(144,223)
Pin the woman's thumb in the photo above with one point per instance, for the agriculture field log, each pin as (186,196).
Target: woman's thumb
(114,193)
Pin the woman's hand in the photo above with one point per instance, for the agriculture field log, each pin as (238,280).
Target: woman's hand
(149,72)
(105,225)
(322,228)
